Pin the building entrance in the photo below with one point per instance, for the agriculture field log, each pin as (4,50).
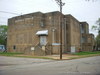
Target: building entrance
(43,40)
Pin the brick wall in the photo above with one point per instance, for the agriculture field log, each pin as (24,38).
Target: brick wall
(22,32)
(73,33)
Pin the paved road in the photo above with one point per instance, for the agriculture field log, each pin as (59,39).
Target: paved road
(29,66)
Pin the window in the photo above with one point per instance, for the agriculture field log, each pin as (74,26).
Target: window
(1,47)
(41,24)
(83,40)
(82,30)
(14,47)
(50,17)
(51,20)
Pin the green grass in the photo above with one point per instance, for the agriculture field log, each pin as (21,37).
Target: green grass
(9,54)
(38,57)
(88,53)
(79,55)
(22,55)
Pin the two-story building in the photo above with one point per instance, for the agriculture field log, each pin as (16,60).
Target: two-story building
(39,33)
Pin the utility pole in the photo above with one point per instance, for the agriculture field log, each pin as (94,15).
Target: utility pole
(61,4)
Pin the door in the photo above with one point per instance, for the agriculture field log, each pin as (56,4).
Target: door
(73,49)
(43,40)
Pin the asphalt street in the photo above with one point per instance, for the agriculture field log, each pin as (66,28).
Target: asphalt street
(29,66)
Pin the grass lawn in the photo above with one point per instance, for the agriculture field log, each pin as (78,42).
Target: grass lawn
(67,56)
(9,54)
(88,53)
(22,55)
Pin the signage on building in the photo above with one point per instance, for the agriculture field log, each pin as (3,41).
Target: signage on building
(55,43)
(32,49)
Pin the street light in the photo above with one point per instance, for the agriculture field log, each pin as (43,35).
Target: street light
(60,3)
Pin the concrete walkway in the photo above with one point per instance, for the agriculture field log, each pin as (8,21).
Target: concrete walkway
(64,56)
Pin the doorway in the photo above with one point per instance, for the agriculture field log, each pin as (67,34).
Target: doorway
(43,40)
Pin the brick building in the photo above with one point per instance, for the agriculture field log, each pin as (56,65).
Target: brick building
(39,33)
(87,40)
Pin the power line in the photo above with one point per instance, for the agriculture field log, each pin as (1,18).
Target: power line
(92,0)
(3,17)
(10,13)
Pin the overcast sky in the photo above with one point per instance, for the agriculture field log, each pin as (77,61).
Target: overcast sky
(82,10)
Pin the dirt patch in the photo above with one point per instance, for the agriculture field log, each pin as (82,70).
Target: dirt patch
(64,56)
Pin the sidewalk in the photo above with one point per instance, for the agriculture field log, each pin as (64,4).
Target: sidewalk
(55,57)
(64,56)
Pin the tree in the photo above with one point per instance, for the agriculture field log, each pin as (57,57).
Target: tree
(98,27)
(98,36)
(3,34)
(98,40)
